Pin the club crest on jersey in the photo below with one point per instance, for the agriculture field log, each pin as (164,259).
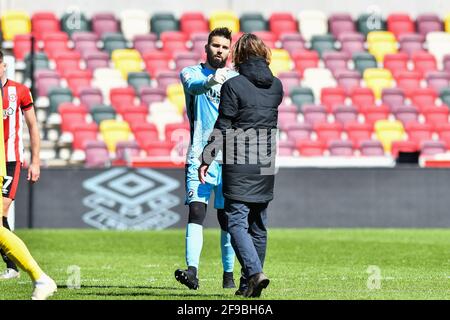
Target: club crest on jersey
(12,97)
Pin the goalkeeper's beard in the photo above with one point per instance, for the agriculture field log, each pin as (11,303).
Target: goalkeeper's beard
(215,63)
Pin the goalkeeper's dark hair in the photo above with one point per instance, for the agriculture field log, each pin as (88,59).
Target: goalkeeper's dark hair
(220,32)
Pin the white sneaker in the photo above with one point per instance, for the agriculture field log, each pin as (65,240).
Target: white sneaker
(9,274)
(44,287)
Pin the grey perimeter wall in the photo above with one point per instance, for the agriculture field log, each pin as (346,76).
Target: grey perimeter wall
(354,7)
(122,198)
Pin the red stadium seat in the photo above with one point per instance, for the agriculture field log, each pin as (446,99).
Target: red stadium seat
(182,130)
(67,61)
(330,97)
(328,131)
(78,79)
(372,113)
(408,81)
(135,115)
(43,23)
(304,59)
(269,38)
(193,22)
(122,96)
(423,62)
(308,148)
(443,130)
(282,22)
(55,43)
(358,132)
(125,109)
(396,62)
(82,133)
(158,148)
(403,146)
(419,132)
(399,23)
(173,41)
(362,97)
(435,115)
(72,115)
(156,61)
(423,97)
(22,46)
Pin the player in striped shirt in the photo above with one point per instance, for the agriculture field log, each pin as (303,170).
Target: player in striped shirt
(14,248)
(17,106)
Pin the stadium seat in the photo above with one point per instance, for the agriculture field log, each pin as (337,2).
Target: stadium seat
(323,43)
(40,62)
(97,155)
(396,62)
(44,22)
(403,146)
(299,131)
(138,80)
(373,113)
(77,80)
(56,96)
(163,21)
(358,132)
(198,41)
(314,114)
(341,148)
(144,132)
(268,37)
(405,113)
(399,23)
(150,95)
(104,23)
(193,22)
(423,97)
(445,96)
(362,97)
(381,43)
(438,80)
(369,22)
(335,61)
(156,61)
(162,113)
(419,132)
(71,116)
(102,112)
(348,79)
(126,60)
(125,150)
(289,79)
(85,42)
(363,61)
(185,59)
(121,96)
(392,96)
(144,43)
(312,23)
(286,119)
(224,19)
(352,42)
(14,23)
(113,131)
(105,79)
(281,61)
(408,81)
(45,80)
(134,22)
(158,148)
(377,79)
(55,43)
(285,148)
(175,94)
(292,42)
(133,114)
(317,79)
(411,42)
(438,45)
(424,62)
(178,133)
(431,148)
(328,131)
(74,21)
(281,22)
(428,22)
(252,21)
(90,97)
(166,78)
(344,114)
(173,41)
(96,59)
(435,115)
(82,133)
(301,96)
(304,59)
(309,148)
(341,23)
(443,130)
(113,41)
(330,97)
(67,61)
(371,148)
(388,132)
(22,46)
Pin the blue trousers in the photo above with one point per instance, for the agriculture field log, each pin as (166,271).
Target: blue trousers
(247,227)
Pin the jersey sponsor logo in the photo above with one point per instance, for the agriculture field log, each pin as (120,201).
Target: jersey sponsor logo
(124,199)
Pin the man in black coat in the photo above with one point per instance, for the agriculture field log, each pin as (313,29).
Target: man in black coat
(246,132)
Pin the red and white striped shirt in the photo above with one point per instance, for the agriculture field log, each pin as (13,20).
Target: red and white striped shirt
(16,99)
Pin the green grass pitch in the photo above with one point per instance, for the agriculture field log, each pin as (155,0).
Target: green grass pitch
(301,263)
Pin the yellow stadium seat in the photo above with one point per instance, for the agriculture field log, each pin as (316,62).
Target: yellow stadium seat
(280,62)
(377,79)
(15,22)
(381,43)
(175,94)
(447,23)
(127,60)
(224,19)
(113,131)
(389,131)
